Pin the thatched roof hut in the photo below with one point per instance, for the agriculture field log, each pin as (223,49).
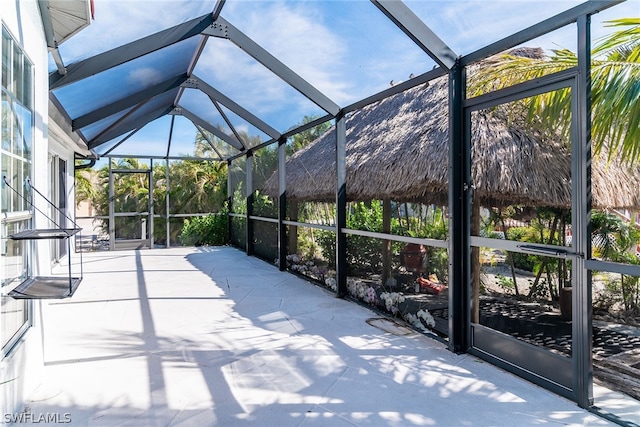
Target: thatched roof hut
(397,149)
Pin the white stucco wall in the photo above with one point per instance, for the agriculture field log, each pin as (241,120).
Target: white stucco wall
(21,369)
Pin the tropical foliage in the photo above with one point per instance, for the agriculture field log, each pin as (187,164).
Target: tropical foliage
(206,230)
(194,187)
(615,80)
(365,254)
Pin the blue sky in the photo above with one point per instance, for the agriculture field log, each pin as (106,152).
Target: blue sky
(346,49)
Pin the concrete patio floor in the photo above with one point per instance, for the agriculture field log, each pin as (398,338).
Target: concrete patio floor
(212,337)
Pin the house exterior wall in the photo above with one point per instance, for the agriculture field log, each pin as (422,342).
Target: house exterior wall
(21,362)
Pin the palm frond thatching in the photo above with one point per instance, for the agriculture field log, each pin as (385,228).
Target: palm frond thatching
(397,149)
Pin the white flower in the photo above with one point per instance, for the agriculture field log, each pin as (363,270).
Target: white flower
(392,300)
(331,282)
(362,291)
(351,287)
(413,320)
(371,297)
(427,317)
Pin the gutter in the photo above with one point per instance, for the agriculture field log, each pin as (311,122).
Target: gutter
(91,163)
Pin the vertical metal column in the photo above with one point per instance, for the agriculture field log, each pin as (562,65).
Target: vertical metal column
(112,216)
(249,198)
(460,214)
(167,219)
(167,186)
(581,188)
(282,204)
(341,204)
(229,202)
(151,234)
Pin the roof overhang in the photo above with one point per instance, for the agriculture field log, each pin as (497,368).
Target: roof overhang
(60,127)
(62,19)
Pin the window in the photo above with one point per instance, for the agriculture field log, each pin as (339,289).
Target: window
(15,159)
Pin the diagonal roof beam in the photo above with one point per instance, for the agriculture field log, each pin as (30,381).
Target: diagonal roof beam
(228,122)
(196,120)
(217,9)
(569,16)
(205,135)
(173,120)
(127,102)
(417,31)
(119,129)
(216,96)
(133,132)
(192,65)
(222,28)
(127,52)
(93,144)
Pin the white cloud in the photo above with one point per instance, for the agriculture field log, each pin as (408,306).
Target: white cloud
(118,22)
(346,49)
(295,33)
(144,76)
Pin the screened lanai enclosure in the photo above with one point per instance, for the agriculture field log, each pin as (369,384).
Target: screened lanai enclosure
(479,182)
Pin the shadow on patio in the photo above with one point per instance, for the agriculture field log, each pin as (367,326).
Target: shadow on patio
(210,336)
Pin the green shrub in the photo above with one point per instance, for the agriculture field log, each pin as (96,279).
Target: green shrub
(205,230)
(523,234)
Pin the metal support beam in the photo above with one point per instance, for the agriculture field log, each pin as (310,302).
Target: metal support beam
(249,187)
(112,214)
(539,29)
(582,308)
(412,26)
(282,204)
(229,202)
(206,125)
(228,122)
(217,96)
(92,144)
(400,87)
(170,140)
(102,62)
(341,205)
(106,153)
(217,9)
(128,102)
(222,28)
(192,65)
(205,135)
(460,214)
(150,232)
(167,218)
(114,131)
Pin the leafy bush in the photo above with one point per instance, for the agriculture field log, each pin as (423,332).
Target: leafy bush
(205,230)
(364,254)
(523,234)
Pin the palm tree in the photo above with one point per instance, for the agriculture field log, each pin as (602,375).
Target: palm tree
(615,240)
(197,186)
(615,79)
(85,190)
